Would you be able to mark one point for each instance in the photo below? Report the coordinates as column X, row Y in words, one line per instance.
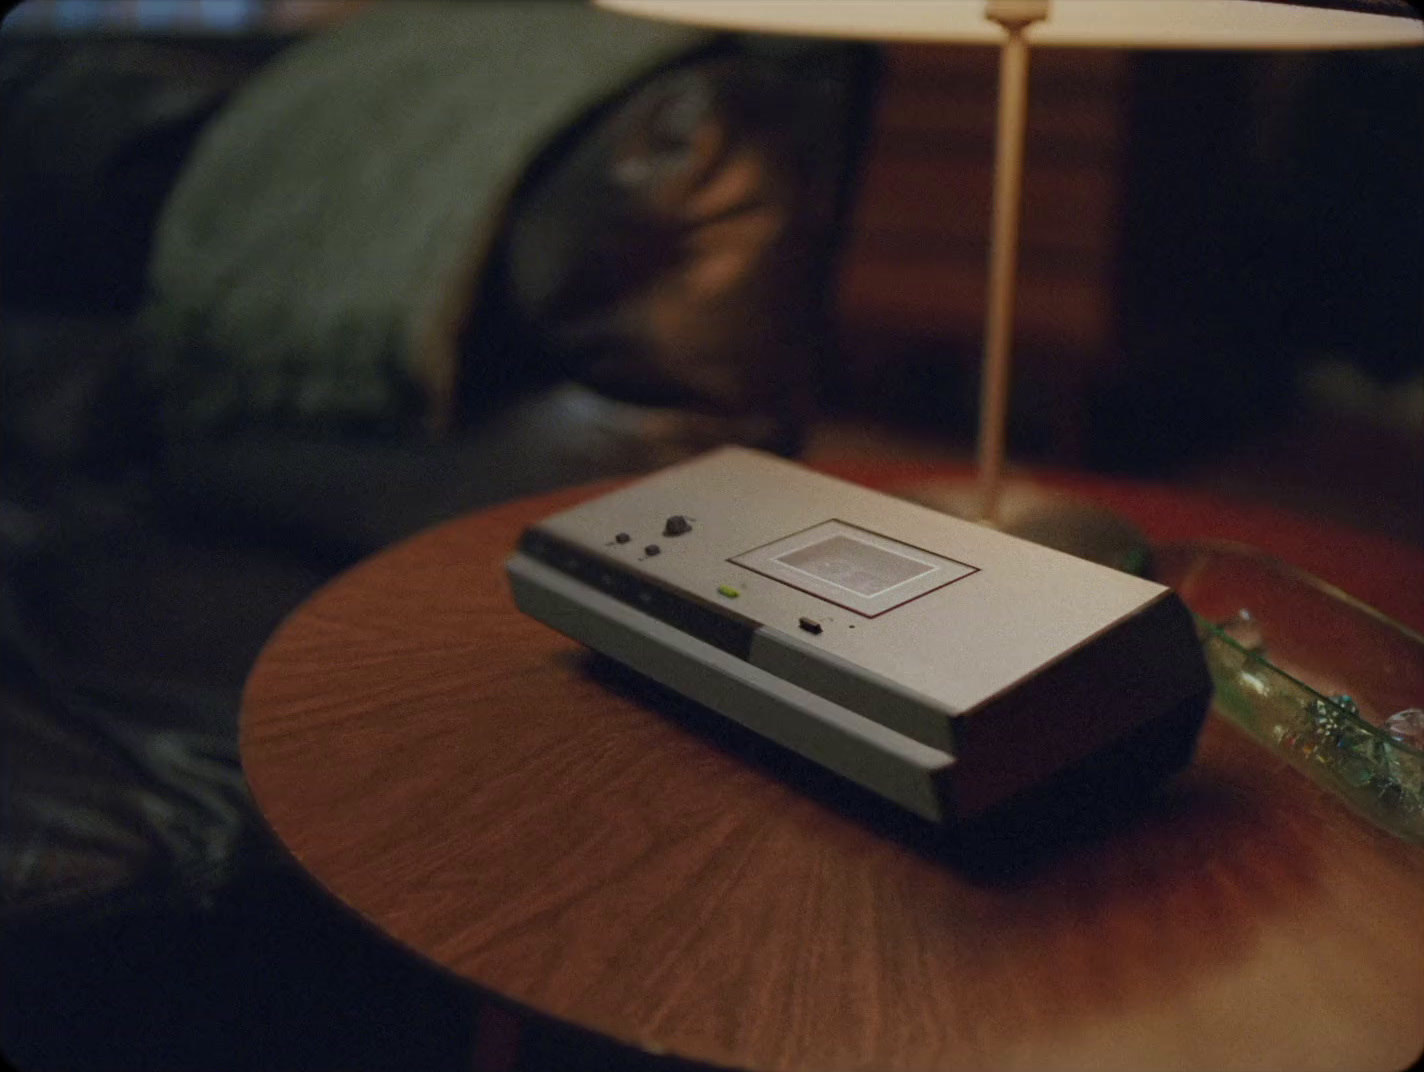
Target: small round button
column 652, row 549
column 676, row 525
column 622, row 537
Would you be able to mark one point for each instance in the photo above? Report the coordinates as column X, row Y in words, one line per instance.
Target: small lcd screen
column 855, row 566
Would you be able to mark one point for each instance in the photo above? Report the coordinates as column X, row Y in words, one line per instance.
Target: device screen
column 853, row 567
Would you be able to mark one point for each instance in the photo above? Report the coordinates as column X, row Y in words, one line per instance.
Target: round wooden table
column 500, row 802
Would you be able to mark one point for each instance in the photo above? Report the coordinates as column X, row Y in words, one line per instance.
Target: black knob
column 622, row 537
column 676, row 525
column 652, row 549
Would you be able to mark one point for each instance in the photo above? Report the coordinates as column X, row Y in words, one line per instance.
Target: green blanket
column 321, row 252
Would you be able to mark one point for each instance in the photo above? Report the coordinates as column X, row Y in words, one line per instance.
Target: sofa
column 179, row 469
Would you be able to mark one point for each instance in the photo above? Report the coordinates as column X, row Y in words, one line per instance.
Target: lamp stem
column 1003, row 260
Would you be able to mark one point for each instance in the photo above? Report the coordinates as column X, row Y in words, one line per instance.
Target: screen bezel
column 766, row 561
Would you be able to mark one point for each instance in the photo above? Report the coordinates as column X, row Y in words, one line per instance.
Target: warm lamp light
column 1014, row 25
column 1167, row 24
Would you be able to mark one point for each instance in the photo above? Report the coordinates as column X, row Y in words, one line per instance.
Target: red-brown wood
column 469, row 782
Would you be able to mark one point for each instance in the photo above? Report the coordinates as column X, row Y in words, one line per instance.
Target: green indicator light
column 728, row 591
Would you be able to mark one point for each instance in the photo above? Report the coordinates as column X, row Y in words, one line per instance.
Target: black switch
column 676, row 525
column 811, row 625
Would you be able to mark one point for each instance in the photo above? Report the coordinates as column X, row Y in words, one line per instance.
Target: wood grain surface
column 547, row 827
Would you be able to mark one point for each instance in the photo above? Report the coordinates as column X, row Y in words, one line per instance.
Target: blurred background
column 1222, row 267
column 1220, row 270
column 282, row 281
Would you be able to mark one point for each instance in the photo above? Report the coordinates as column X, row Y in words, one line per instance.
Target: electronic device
column 937, row 662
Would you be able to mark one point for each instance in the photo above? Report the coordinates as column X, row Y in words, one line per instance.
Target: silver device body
column 936, row 662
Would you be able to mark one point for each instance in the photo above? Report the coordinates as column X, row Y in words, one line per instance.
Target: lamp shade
column 1164, row 24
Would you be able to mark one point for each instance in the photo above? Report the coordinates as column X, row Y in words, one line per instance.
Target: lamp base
column 1053, row 519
